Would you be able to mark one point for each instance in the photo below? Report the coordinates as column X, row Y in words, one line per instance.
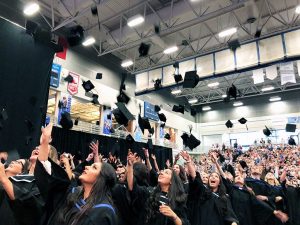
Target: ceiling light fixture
column 274, row 99
column 31, row 8
column 193, row 101
column 206, row 108
column 297, row 9
column 88, row 41
column 215, row 84
column 127, row 63
column 174, row 92
column 135, row 20
column 170, row 50
column 228, row 32
column 238, row 104
column 269, row 88
column 224, row 96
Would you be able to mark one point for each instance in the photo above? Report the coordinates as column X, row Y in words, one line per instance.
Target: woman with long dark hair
column 180, row 171
column 89, row 204
column 208, row 204
column 165, row 204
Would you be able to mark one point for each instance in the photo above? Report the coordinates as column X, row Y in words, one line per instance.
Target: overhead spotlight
column 87, row 86
column 157, row 83
column 94, row 10
column 193, row 101
column 99, row 76
column 234, row 44
column 257, row 34
column 127, row 63
column 184, row 43
column 176, row 91
column 224, row 96
column 228, row 32
column 88, row 41
column 178, row 78
column 31, row 8
column 215, row 84
column 76, row 36
column 135, row 20
column 171, row 50
column 268, row 88
column 144, row 49
column 232, row 91
column 95, row 99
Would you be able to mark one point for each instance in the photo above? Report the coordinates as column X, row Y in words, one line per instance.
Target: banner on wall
column 55, row 75
column 64, row 105
column 287, row 73
column 73, row 86
column 107, row 123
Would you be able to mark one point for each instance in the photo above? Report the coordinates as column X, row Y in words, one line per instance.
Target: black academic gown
column 28, row 206
column 292, row 198
column 57, row 191
column 206, row 207
column 247, row 208
column 142, row 194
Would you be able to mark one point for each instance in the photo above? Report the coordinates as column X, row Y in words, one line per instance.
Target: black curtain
column 77, row 143
column 24, row 84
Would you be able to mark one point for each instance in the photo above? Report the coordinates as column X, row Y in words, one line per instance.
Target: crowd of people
column 260, row 186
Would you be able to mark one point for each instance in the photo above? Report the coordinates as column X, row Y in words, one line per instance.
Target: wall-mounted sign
column 55, row 75
column 149, row 111
column 73, row 86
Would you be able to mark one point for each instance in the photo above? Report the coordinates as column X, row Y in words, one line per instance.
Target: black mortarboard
column 122, row 114
column 191, row 79
column 229, row 124
column 167, row 136
column 243, row 164
column 122, row 97
column 4, row 115
column 69, row 78
column 234, row 44
column 193, row 142
column 232, row 91
column 176, row 65
column 87, row 85
column 290, row 127
column 144, row 123
column 179, row 108
column 242, row 120
column 150, row 144
column 230, row 169
column 106, row 107
column 267, row 131
column 162, row 117
column 66, row 121
column 162, row 125
column 144, row 49
column 95, row 99
column 99, row 76
column 109, row 116
column 184, row 138
column 177, row 78
column 156, row 108
column 122, row 85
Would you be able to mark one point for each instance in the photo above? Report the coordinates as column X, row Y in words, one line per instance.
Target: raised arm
column 190, row 165
column 148, row 164
column 214, row 159
column 130, row 160
column 95, row 148
column 155, row 162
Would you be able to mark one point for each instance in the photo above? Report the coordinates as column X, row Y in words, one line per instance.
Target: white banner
column 258, row 76
column 287, row 73
column 298, row 66
column 271, row 72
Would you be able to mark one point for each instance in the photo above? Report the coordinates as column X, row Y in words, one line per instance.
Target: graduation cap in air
column 144, row 49
column 157, row 108
column 87, row 86
column 162, row 117
column 267, row 131
column 191, row 79
column 232, row 91
column 193, row 142
column 229, row 124
column 167, row 136
column 69, row 78
column 122, row 114
column 99, row 76
column 123, row 97
column 144, row 123
column 162, row 125
column 178, row 108
column 95, row 99
column 184, row 138
column 230, row 169
column 243, row 121
column 66, row 121
column 243, row 164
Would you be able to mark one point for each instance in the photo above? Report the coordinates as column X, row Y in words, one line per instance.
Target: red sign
column 73, row 86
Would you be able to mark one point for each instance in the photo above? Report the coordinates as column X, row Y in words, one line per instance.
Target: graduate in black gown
column 249, row 210
column 165, row 204
column 208, row 205
column 20, row 200
column 89, row 204
column 292, row 198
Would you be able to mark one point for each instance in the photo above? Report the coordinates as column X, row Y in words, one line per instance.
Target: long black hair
column 176, row 196
column 101, row 191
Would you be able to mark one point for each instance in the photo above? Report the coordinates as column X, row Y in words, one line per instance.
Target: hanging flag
column 258, row 76
column 64, row 43
column 271, row 72
column 287, row 73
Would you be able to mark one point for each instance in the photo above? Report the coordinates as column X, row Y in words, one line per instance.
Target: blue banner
column 55, row 75
column 64, row 105
column 107, row 124
column 149, row 111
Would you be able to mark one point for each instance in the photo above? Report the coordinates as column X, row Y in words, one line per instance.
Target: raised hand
column 281, row 215
column 185, row 156
column 90, row 157
column 131, row 158
column 46, row 134
column 153, row 156
column 167, row 211
column 95, row 147
column 146, row 152
column 168, row 164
